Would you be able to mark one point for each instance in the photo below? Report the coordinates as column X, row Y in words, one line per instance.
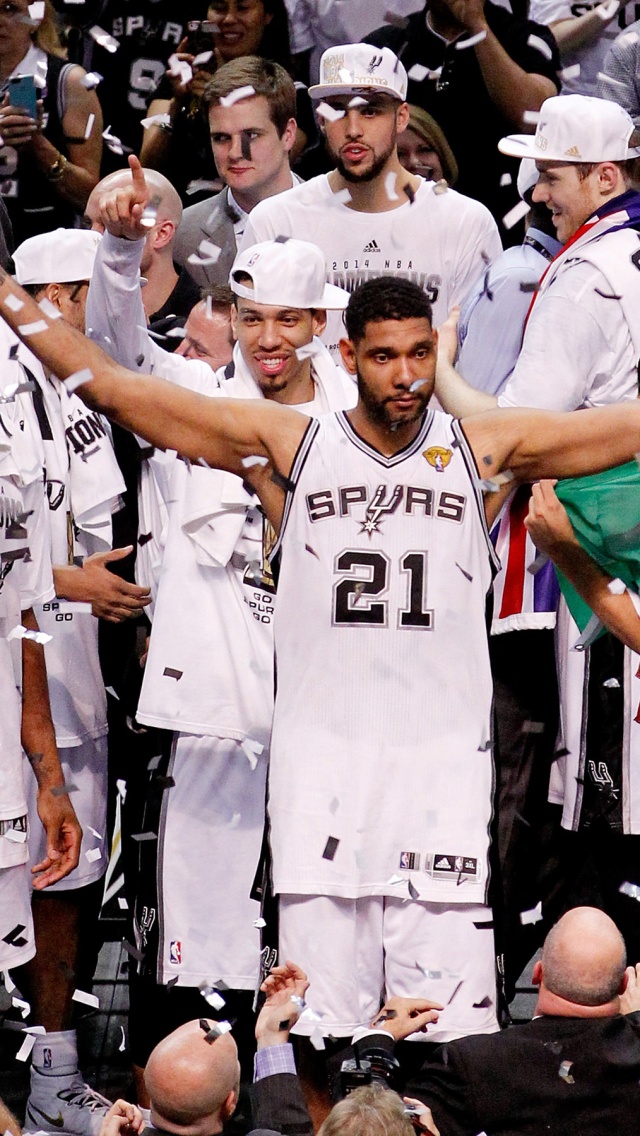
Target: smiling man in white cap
column 369, row 216
column 580, row 348
column 193, row 914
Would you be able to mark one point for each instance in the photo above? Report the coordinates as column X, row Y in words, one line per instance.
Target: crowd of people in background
column 319, row 605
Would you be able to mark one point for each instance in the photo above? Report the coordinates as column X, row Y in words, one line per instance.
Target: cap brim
column 334, row 298
column 521, row 146
column 320, row 91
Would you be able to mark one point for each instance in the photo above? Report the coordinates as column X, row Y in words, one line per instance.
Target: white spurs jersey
column 381, row 769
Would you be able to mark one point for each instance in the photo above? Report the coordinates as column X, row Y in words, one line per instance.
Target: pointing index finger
column 139, row 182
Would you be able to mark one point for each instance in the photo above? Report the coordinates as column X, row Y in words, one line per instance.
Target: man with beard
column 370, row 216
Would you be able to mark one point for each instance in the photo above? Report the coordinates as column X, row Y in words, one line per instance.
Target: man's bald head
column 192, row 1083
column 584, row 958
column 169, row 206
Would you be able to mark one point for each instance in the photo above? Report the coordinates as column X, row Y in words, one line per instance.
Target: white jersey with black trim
column 381, row 767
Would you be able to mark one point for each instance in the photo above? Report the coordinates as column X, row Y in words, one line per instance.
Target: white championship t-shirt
column 438, row 241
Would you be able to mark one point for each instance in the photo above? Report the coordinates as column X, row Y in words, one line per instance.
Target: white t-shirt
column 577, row 350
column 437, row 241
column 591, row 57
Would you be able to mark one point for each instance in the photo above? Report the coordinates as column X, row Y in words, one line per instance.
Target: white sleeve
column 548, row 11
column 300, row 27
column 562, row 344
column 116, row 319
column 480, row 235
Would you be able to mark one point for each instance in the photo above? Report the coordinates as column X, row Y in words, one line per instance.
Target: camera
column 378, row 1068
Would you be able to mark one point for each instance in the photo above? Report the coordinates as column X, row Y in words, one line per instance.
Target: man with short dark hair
column 369, row 215
column 251, row 141
column 384, row 689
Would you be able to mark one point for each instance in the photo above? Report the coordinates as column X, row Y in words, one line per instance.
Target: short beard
column 368, row 175
column 378, row 413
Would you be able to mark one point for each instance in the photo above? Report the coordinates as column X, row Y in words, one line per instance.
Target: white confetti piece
column 252, row 751
column 417, row 384
column 539, row 562
column 254, row 459
column 22, row 1006
column 103, row 38
column 534, row 915
column 203, row 57
column 156, row 119
column 531, row 117
column 342, row 197
column 33, row 328
column 441, row 186
column 617, row 587
column 568, row 73
column 26, row 1047
column 235, row 96
column 506, row 179
column 202, row 185
column 176, row 333
column 93, row 854
column 602, row 78
column 461, row 44
column 344, row 75
column 607, row 11
column 390, row 186
column 123, row 903
column 540, row 45
column 9, row 984
column 86, row 998
column 78, row 378
column 121, row 1047
column 121, row 786
column 49, row 309
column 565, row 1067
column 211, row 996
column 317, row 1040
column 357, row 101
column 308, row 350
column 627, row 888
column 15, row 836
column 611, row 683
column 20, row 632
column 92, row 78
column 393, row 880
column 259, row 923
column 36, row 10
column 89, row 127
column 332, row 114
column 13, row 303
column 418, row 73
column 180, row 70
column 113, row 142
column 514, row 215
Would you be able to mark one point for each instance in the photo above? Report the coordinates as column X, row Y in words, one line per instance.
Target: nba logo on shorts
column 175, row 952
column 46, row 1058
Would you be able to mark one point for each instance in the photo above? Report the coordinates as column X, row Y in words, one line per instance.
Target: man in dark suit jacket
column 574, row 1069
column 193, row 1075
column 251, row 142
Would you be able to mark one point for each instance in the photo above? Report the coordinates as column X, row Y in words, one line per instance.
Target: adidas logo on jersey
column 373, row 246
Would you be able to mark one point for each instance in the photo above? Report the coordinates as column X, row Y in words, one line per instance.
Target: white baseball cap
column 360, row 67
column 287, row 273
column 576, row 128
column 527, row 177
column 63, row 256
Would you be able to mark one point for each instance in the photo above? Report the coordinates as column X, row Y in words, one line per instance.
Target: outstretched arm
column 223, row 432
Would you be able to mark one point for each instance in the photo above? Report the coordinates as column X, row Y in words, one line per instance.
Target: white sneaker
column 64, row 1104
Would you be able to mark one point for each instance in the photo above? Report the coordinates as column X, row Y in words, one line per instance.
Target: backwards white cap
column 576, row 128
column 287, row 273
column 62, row 256
column 360, row 67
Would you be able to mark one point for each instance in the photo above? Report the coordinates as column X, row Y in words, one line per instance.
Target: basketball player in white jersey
column 370, row 216
column 194, row 918
column 381, row 767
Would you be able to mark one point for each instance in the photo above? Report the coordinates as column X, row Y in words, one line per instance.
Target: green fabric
column 604, row 510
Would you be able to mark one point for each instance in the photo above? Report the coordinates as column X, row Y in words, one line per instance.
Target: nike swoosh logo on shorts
column 56, row 1121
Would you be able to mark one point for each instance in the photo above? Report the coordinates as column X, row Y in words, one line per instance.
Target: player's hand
column 279, row 1013
column 448, row 338
column 17, row 128
column 548, row 522
column 403, row 1016
column 421, row 1116
column 120, row 210
column 111, row 597
column 122, row 1119
column 64, row 837
column 630, row 1000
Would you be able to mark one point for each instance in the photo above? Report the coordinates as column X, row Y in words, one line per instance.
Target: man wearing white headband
column 208, row 679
